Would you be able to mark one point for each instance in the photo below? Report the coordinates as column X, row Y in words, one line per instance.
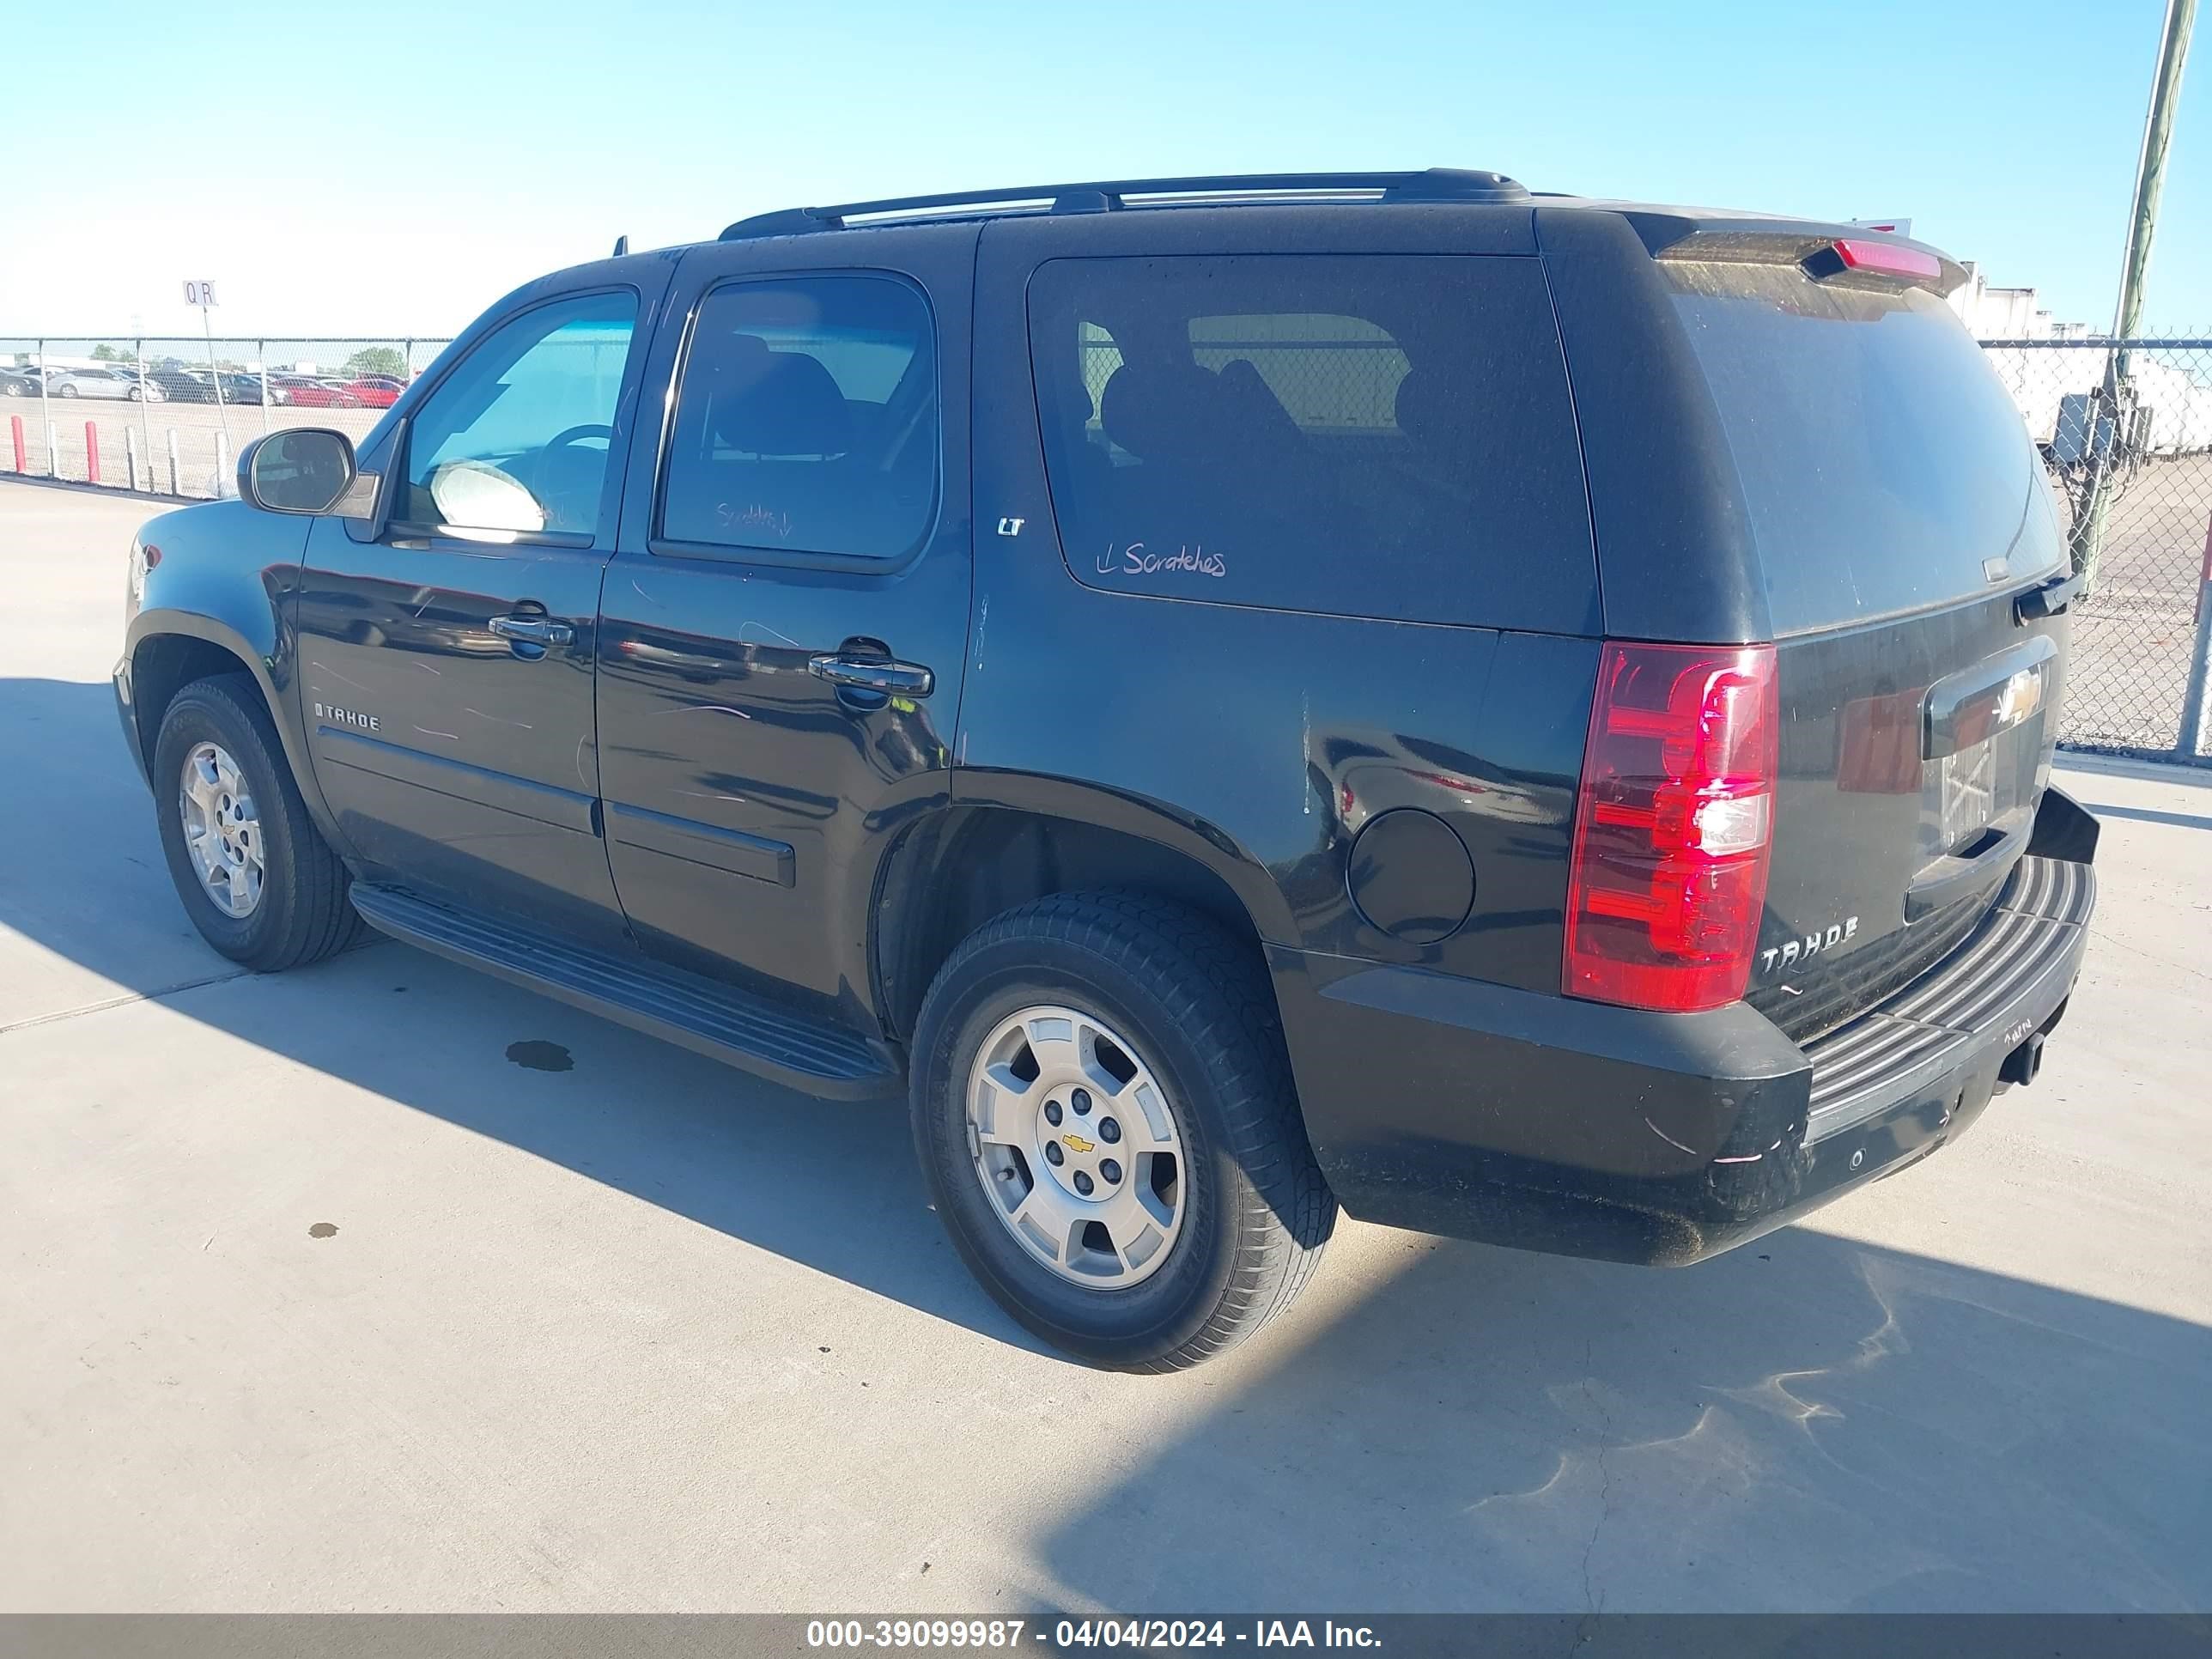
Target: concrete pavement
column 312, row 1297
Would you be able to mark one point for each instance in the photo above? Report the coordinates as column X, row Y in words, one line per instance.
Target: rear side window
column 807, row 419
column 1364, row 435
column 1884, row 467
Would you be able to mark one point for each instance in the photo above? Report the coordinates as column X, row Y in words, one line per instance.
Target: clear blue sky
column 377, row 167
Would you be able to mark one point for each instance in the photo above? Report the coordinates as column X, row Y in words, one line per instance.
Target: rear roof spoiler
column 1731, row 240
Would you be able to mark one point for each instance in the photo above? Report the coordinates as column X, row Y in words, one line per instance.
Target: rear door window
column 1362, row 434
column 1883, row 465
column 807, row 419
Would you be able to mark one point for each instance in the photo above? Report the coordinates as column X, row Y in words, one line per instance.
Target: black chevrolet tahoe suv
column 1525, row 717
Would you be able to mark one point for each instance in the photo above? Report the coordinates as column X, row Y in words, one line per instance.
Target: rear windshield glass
column 1884, row 466
column 1378, row 436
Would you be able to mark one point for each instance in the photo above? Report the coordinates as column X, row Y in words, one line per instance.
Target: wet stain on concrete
column 323, row 1229
column 538, row 1056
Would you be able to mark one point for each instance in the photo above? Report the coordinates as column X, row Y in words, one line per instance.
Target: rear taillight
column 1888, row 260
column 1672, row 826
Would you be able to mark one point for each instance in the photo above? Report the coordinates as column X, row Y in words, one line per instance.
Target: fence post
column 22, row 461
column 173, row 490
column 145, row 420
column 261, row 356
column 2188, row 741
column 130, row 453
column 222, row 465
column 53, row 452
column 92, row 452
column 47, row 407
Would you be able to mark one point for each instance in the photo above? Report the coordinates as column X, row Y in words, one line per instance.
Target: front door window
column 516, row 440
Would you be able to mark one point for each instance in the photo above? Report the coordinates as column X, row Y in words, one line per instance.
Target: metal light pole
column 2142, row 224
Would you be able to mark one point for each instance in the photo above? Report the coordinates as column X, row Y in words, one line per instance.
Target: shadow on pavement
column 1804, row 1423
column 1807, row 1422
column 2151, row 815
column 832, row 1187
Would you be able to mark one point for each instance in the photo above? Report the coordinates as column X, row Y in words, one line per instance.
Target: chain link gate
column 2124, row 428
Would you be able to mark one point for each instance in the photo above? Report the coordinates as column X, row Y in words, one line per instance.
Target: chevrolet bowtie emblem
column 1078, row 1144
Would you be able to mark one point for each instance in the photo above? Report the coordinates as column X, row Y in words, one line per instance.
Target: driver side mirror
column 305, row 469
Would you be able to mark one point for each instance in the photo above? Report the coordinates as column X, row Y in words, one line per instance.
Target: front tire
column 255, row 875
column 1186, row 1209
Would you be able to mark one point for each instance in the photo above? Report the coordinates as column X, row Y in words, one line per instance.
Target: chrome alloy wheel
column 222, row 830
column 1077, row 1146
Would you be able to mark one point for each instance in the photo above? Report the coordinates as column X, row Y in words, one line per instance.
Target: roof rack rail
column 1108, row 196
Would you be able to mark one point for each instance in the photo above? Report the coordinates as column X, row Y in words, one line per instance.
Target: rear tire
column 302, row 913
column 1248, row 1211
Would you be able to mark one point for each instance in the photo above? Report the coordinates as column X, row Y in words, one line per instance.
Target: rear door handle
column 881, row 675
column 540, row 631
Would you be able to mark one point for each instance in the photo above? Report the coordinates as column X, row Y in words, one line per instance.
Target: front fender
column 225, row 578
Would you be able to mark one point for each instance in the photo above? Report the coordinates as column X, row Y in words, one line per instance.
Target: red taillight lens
column 1887, row 259
column 1672, row 826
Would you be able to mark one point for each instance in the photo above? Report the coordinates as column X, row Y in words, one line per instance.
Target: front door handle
column 540, row 631
column 881, row 675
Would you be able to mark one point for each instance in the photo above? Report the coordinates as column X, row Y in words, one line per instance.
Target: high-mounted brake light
column 1672, row 826
column 1888, row 260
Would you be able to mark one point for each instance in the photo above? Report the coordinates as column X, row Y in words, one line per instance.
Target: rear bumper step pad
column 2035, row 924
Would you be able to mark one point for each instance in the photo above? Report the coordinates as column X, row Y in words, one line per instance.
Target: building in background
column 1991, row 312
column 2051, row 383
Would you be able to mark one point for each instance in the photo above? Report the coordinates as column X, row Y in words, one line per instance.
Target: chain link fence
column 170, row 416
column 2125, row 428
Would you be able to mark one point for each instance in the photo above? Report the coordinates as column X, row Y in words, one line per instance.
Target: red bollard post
column 15, row 423
column 92, row 452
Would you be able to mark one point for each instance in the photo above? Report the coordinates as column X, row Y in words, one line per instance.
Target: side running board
column 703, row 1015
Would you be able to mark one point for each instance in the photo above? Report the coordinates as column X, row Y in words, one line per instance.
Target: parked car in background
column 376, row 391
column 306, row 391
column 182, row 386
column 110, row 383
column 238, row 386
column 21, row 382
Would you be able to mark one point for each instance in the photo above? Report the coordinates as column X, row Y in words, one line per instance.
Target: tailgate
column 1898, row 515
column 1913, row 754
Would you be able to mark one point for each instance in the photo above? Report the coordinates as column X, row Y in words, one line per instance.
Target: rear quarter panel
column 1259, row 741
